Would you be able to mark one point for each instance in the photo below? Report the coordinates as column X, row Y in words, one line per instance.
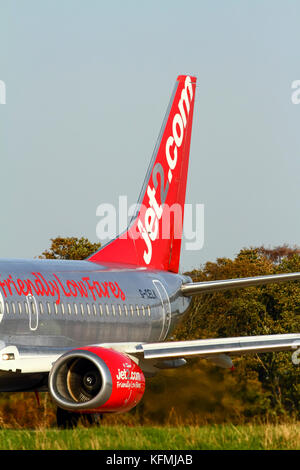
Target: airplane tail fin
column 153, row 237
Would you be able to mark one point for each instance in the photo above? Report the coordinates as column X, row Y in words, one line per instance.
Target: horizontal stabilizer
column 194, row 288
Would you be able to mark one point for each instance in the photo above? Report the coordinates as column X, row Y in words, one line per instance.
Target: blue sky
column 87, row 85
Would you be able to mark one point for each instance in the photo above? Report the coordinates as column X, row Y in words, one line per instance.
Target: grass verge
column 208, row 437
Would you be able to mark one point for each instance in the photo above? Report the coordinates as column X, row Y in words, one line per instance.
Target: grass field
column 208, row 437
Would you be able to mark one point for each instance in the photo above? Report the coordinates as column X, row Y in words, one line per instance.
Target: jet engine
column 95, row 379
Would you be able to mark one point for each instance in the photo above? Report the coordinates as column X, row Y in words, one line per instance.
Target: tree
column 70, row 248
column 279, row 253
column 266, row 309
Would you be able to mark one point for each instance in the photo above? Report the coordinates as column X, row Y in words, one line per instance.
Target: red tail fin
column 153, row 238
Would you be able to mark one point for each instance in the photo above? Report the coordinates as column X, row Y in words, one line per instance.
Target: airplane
column 90, row 332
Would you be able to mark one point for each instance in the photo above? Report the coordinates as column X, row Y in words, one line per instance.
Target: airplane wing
column 194, row 288
column 217, row 350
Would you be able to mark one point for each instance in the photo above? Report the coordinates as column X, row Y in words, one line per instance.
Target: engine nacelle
column 94, row 379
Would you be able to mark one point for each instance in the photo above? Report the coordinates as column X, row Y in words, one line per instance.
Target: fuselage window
column 126, row 310
column 13, row 307
column 120, row 309
column 26, row 307
column 81, row 309
column 19, row 307
column 75, row 309
column 107, row 309
column 88, row 309
column 149, row 311
column 49, row 308
column 69, row 309
column 32, row 305
column 113, row 310
column 55, row 308
column 137, row 310
column 7, row 307
column 131, row 310
column 100, row 309
column 41, row 308
column 94, row 309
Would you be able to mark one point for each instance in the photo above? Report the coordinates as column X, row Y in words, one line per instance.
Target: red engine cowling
column 94, row 379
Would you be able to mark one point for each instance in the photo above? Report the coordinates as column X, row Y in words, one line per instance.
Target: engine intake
column 96, row 379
